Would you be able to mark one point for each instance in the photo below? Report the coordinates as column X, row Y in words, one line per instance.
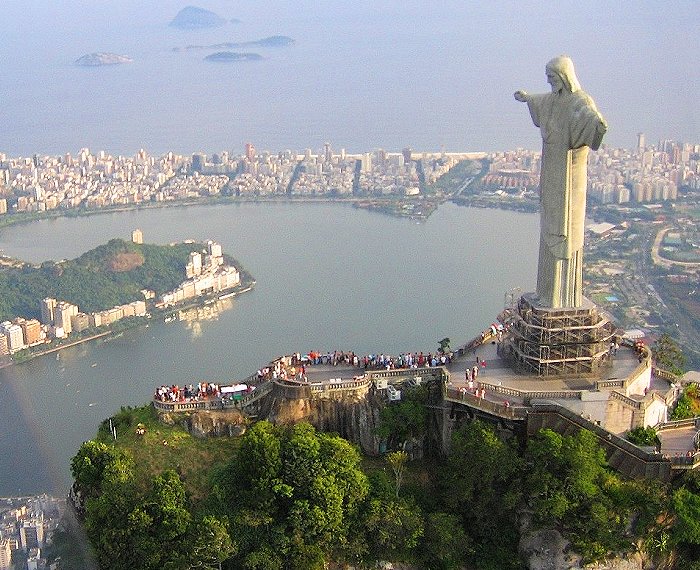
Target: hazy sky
column 363, row 74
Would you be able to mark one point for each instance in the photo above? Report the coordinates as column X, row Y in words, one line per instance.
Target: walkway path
column 677, row 442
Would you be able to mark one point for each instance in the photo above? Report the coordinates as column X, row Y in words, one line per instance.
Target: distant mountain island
column 270, row 41
column 102, row 58
column 194, row 18
column 226, row 56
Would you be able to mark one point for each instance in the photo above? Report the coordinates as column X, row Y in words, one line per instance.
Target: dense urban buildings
column 27, row 525
column 205, row 274
column 645, row 174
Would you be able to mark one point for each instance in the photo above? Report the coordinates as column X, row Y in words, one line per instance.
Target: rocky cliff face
column 354, row 418
column 209, row 423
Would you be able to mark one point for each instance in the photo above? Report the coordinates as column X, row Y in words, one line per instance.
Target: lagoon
column 329, row 277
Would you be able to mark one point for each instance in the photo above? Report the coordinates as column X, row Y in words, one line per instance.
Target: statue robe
column 570, row 124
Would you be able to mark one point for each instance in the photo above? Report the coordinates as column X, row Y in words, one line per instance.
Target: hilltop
column 194, row 18
column 109, row 275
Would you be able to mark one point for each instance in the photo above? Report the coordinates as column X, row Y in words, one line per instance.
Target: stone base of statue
column 545, row 341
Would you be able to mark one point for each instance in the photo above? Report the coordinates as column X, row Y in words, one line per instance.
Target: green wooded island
column 111, row 274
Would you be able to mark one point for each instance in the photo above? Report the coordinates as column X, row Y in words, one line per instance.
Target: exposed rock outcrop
column 209, row 423
column 547, row 549
column 354, row 418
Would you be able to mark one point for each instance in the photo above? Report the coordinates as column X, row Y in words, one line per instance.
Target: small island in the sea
column 270, row 41
column 194, row 18
column 98, row 59
column 227, row 56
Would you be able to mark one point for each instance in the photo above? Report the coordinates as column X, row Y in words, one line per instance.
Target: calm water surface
column 328, row 277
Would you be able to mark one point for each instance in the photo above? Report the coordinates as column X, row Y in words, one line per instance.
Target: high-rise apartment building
column 14, row 335
column 62, row 315
column 48, row 308
column 137, row 236
column 31, row 329
column 366, row 162
column 194, row 267
column 5, row 554
column 80, row 322
column 641, row 141
column 3, row 206
column 250, row 152
column 214, row 249
column 31, row 534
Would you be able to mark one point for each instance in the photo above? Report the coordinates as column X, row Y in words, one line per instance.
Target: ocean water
column 361, row 75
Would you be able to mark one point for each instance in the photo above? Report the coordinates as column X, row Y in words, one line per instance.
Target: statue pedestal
column 545, row 341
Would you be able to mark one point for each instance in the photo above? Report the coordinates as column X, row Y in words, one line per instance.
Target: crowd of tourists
column 189, row 393
column 374, row 361
column 294, row 367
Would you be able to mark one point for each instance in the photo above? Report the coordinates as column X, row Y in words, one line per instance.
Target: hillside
column 109, row 275
column 195, row 18
column 299, row 498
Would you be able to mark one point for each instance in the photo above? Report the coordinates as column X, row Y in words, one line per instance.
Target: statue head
column 563, row 68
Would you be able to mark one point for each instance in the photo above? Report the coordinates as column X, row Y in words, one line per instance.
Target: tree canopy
column 130, row 527
column 295, row 498
column 290, row 494
column 668, row 355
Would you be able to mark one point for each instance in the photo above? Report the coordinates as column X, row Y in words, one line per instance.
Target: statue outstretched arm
column 521, row 96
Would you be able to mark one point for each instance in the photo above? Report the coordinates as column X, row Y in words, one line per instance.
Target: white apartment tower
column 63, row 312
column 14, row 335
column 641, row 142
column 194, row 267
column 5, row 554
column 214, row 249
column 48, row 308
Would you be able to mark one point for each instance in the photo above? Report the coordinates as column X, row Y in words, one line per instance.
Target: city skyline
column 648, row 173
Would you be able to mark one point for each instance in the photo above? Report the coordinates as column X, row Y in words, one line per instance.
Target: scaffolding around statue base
column 559, row 342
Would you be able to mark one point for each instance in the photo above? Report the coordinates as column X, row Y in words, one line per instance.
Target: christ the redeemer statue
column 570, row 124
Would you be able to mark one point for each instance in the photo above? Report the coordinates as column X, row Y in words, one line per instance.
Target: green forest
column 111, row 274
column 296, row 498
